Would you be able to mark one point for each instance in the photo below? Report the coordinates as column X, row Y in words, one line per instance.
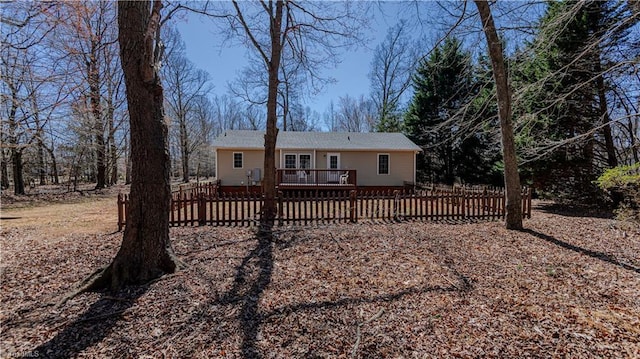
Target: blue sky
column 205, row 49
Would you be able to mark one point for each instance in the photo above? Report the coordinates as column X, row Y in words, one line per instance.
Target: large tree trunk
column 146, row 252
column 18, row 175
column 272, row 131
column 610, row 147
column 4, row 171
column 127, row 162
column 511, row 177
column 113, row 152
column 111, row 140
column 42, row 172
column 54, row 165
column 184, row 148
column 16, row 153
column 94, row 93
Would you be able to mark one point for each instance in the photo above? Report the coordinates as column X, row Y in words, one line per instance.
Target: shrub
column 622, row 184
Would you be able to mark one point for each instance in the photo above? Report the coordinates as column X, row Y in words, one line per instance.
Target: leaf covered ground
column 567, row 286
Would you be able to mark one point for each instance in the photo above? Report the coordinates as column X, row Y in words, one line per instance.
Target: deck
column 317, row 179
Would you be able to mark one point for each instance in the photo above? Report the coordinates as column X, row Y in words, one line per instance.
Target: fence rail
column 192, row 208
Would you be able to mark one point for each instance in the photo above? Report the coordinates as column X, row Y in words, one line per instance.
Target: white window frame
column 329, row 160
column 284, row 160
column 297, row 156
column 388, row 164
column 310, row 160
column 233, row 160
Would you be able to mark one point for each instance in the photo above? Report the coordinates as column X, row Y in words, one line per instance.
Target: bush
column 622, row 184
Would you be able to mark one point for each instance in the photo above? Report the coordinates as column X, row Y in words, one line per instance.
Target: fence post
column 352, row 206
column 280, row 208
column 463, row 204
column 396, row 202
column 202, row 209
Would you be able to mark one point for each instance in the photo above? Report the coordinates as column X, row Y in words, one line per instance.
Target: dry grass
column 565, row 287
column 97, row 216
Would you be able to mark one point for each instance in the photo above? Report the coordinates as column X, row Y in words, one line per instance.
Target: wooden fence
column 191, row 208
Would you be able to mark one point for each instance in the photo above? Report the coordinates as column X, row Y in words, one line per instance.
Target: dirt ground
column 567, row 287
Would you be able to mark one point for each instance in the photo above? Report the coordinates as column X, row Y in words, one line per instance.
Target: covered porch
column 306, row 178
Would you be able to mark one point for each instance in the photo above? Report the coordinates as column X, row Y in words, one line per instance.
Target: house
column 317, row 160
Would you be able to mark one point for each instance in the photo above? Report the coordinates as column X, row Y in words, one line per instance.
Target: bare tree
column 186, row 84
column 204, row 117
column 312, row 32
column 394, row 61
column 231, row 114
column 24, row 78
column 355, row 115
column 145, row 252
column 13, row 73
column 86, row 35
column 114, row 100
column 513, row 207
column 330, row 117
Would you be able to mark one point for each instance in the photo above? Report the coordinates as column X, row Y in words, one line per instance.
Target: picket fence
column 193, row 208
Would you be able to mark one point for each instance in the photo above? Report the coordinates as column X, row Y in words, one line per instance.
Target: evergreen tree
column 566, row 98
column 453, row 144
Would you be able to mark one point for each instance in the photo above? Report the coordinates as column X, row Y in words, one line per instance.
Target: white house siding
column 230, row 176
column 366, row 163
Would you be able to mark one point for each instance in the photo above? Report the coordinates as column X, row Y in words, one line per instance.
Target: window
column 237, row 160
column 289, row 161
column 333, row 161
column 297, row 160
column 383, row 164
column 305, row 161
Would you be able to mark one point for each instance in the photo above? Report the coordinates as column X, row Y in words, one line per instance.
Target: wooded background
column 572, row 66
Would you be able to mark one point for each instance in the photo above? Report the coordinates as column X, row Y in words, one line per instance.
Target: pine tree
column 453, row 149
column 567, row 97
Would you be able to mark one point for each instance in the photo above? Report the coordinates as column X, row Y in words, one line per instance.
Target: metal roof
column 344, row 141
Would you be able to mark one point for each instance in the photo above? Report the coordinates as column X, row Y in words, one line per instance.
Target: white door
column 333, row 163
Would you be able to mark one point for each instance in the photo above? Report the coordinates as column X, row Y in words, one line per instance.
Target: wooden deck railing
column 301, row 177
column 304, row 208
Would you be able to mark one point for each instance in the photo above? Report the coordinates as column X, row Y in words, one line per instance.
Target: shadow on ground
column 574, row 210
column 204, row 329
column 593, row 254
column 92, row 326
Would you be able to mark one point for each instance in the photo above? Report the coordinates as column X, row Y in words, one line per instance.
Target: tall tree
column 87, row 37
column 23, row 76
column 268, row 27
column 571, row 73
column 271, row 55
column 513, row 206
column 185, row 83
column 394, row 61
column 436, row 118
column 145, row 252
column 355, row 114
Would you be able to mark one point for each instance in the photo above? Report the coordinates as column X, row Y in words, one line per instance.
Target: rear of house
column 317, row 159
